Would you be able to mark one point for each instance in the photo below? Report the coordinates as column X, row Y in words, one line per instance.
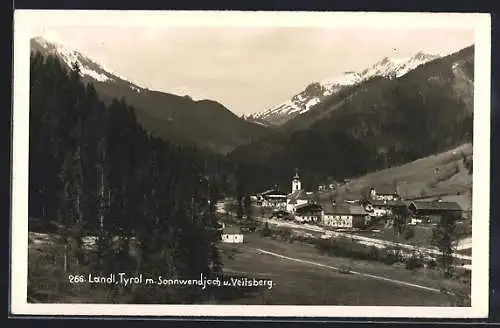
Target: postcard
column 250, row 164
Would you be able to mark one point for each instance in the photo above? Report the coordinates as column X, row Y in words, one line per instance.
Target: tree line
column 96, row 172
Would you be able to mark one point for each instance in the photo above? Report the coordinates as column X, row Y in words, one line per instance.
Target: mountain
column 204, row 123
column 316, row 92
column 372, row 125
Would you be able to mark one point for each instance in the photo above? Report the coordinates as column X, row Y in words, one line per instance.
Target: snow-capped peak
column 87, row 66
column 391, row 67
column 388, row 67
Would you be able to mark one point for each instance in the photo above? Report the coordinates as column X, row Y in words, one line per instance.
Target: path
column 367, row 275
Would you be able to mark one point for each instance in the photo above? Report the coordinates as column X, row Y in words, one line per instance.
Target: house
column 434, row 210
column 308, row 213
column 297, row 198
column 231, row 235
column 272, row 198
column 384, row 192
column 220, row 206
column 343, row 215
column 381, row 208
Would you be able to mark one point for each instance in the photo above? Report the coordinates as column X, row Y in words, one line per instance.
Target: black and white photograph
column 251, row 164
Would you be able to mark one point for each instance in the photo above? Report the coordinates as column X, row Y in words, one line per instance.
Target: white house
column 220, row 206
column 296, row 199
column 344, row 216
column 232, row 235
column 384, row 193
column 308, row 213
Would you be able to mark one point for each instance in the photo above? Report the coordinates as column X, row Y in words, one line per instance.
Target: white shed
column 232, row 235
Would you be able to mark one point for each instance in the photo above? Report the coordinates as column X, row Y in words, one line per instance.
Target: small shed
column 232, row 235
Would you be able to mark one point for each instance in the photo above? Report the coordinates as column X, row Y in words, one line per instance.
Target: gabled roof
column 392, row 203
column 308, row 207
column 436, row 206
column 231, row 230
column 269, row 192
column 299, row 194
column 343, row 208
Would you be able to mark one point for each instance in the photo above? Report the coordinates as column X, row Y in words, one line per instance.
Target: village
column 344, row 235
column 382, row 204
column 376, row 219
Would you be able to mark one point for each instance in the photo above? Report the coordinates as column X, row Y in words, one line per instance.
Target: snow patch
column 387, row 67
column 70, row 57
column 135, row 89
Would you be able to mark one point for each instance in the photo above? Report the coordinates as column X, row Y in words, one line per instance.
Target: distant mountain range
column 391, row 113
column 371, row 125
column 206, row 124
column 315, row 92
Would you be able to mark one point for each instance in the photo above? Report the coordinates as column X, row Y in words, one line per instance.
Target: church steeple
column 296, row 185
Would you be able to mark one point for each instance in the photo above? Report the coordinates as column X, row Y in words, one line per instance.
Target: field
column 442, row 175
column 303, row 276
column 422, row 235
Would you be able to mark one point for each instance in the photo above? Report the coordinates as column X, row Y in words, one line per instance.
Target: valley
column 123, row 178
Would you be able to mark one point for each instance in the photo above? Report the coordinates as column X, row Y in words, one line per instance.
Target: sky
column 247, row 69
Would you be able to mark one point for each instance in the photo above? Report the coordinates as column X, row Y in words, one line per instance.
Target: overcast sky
column 246, row 69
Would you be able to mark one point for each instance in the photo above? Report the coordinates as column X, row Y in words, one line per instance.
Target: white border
column 24, row 20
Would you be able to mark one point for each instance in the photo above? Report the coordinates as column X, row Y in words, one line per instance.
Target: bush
column 265, row 231
column 284, row 233
column 431, row 264
column 374, row 254
column 409, row 234
column 391, row 257
column 414, row 262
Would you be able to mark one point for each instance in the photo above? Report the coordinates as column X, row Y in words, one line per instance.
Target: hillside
column 205, row 123
column 317, row 92
column 443, row 174
column 377, row 124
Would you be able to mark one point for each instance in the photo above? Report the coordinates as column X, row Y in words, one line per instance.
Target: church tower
column 296, row 181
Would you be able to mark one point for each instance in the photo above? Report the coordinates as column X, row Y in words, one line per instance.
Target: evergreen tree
column 443, row 236
column 150, row 204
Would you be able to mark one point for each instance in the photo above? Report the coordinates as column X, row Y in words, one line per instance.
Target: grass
column 422, row 235
column 49, row 283
column 295, row 283
column 303, row 284
column 420, row 179
column 467, row 251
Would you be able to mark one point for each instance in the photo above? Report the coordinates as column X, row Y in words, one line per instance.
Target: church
column 298, row 196
column 289, row 202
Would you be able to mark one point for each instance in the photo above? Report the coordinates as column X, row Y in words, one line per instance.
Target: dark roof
column 384, row 189
column 231, row 230
column 298, row 194
column 343, row 208
column 308, row 208
column 436, row 206
column 393, row 203
column 270, row 191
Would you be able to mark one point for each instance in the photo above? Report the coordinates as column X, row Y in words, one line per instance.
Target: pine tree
column 443, row 236
column 94, row 168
